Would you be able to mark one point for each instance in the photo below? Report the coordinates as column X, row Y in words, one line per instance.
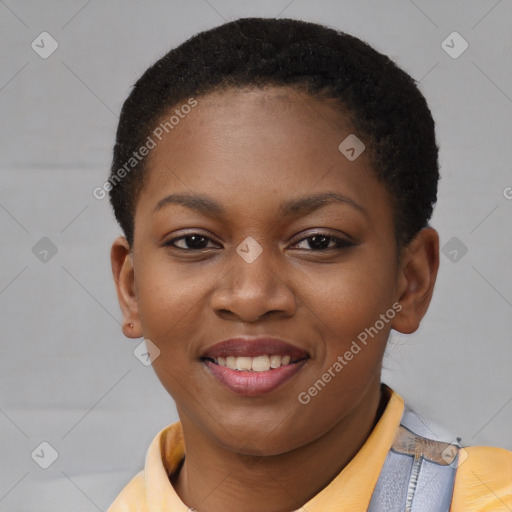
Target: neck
column 214, row 479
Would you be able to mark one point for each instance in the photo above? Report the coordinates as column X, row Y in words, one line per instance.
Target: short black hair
column 385, row 107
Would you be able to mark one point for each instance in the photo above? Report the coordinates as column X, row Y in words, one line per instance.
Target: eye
column 315, row 242
column 190, row 242
column 323, row 241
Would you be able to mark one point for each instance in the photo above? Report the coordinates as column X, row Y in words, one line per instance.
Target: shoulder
column 133, row 497
column 483, row 480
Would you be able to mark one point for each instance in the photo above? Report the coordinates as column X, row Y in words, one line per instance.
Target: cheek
column 168, row 296
column 170, row 305
column 170, row 308
column 347, row 298
column 347, row 306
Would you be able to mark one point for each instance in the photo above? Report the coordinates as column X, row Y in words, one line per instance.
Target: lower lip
column 253, row 383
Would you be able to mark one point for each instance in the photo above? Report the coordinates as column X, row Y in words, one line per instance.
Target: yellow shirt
column 483, row 482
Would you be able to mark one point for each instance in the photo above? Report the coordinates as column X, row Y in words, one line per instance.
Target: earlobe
column 416, row 279
column 124, row 279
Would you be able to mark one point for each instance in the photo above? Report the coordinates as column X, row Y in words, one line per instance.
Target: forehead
column 258, row 144
column 264, row 109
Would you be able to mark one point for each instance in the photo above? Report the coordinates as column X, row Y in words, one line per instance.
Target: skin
column 251, row 150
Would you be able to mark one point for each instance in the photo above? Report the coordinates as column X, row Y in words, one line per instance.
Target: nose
column 251, row 291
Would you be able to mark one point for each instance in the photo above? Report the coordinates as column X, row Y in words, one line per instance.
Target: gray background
column 68, row 376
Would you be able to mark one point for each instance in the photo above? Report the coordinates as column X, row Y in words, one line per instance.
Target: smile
column 253, row 366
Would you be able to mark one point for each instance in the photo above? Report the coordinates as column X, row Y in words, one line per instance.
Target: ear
column 124, row 278
column 417, row 272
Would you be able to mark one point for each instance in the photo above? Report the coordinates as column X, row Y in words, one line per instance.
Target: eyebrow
column 298, row 207
column 197, row 202
column 307, row 204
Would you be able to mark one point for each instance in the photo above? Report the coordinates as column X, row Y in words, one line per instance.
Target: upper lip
column 253, row 346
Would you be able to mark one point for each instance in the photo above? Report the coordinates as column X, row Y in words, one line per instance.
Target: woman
column 274, row 180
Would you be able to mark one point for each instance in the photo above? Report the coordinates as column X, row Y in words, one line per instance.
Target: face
column 253, row 224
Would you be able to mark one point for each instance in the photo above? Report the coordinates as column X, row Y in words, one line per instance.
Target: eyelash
column 340, row 243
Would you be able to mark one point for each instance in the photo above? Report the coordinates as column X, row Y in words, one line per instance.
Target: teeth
column 261, row 363
column 243, row 363
column 256, row 364
column 275, row 361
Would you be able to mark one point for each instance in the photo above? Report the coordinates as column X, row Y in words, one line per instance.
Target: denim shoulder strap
column 419, row 471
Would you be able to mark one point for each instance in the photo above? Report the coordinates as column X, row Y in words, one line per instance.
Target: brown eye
column 193, row 241
column 323, row 241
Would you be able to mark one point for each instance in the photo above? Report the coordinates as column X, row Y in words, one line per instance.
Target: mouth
column 254, row 366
